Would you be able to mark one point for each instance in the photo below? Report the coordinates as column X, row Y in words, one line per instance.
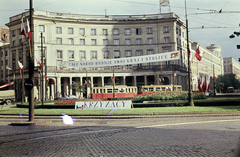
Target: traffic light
column 238, row 46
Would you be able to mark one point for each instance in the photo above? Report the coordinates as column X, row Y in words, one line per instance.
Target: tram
column 155, row 88
column 121, row 91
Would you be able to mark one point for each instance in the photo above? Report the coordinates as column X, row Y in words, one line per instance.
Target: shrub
column 167, row 95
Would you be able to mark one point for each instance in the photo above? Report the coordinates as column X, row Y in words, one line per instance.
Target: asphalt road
column 176, row 136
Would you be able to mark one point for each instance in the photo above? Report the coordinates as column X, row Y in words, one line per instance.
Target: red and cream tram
column 121, row 91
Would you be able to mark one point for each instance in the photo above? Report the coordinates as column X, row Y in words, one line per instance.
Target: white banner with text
column 120, row 61
column 86, row 105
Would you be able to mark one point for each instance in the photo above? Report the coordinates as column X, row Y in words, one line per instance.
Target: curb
column 16, row 117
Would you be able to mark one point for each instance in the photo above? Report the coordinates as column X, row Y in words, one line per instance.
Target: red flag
column 20, row 66
column 189, row 52
column 29, row 31
column 204, row 86
column 112, row 78
column 23, row 30
column 197, row 54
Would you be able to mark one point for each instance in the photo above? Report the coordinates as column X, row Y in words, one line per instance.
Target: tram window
column 135, row 90
column 151, row 89
column 178, row 88
column 93, row 90
column 116, row 90
column 163, row 89
column 157, row 88
column 129, row 90
column 145, row 89
column 97, row 90
column 100, row 90
column 109, row 90
column 121, row 90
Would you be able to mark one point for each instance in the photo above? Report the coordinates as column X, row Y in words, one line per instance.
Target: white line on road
column 187, row 123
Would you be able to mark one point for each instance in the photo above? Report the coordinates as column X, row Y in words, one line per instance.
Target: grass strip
column 133, row 111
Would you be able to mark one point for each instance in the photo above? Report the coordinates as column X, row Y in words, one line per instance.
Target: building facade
column 231, row 66
column 75, row 37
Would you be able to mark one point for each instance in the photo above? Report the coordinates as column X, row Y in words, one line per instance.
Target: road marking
column 187, row 123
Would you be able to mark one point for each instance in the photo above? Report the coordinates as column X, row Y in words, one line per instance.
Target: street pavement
column 209, row 136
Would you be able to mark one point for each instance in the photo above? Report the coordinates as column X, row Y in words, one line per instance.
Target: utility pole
column 46, row 79
column 113, row 84
column 214, row 85
column 31, row 65
column 41, row 76
column 22, row 75
column 190, row 98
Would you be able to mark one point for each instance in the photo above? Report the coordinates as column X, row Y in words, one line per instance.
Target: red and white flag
column 38, row 62
column 198, row 54
column 174, row 75
column 204, row 85
column 8, row 84
column 20, row 66
column 29, row 31
column 23, row 30
column 89, row 81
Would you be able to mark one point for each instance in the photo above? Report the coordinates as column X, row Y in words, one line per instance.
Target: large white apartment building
column 76, row 37
column 231, row 66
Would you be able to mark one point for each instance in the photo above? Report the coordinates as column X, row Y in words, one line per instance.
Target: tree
column 77, row 87
column 227, row 80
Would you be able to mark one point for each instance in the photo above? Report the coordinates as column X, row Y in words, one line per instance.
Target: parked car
column 230, row 90
column 69, row 97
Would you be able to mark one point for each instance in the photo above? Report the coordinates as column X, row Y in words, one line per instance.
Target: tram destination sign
column 85, row 105
column 120, row 61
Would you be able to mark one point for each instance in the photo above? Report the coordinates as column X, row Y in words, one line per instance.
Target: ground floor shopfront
column 59, row 84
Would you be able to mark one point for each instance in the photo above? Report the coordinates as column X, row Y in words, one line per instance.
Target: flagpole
column 190, row 98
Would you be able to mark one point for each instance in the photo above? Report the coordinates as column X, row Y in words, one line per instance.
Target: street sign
column 28, row 84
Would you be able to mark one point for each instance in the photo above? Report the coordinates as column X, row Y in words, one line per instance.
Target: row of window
column 128, row 53
column 115, row 31
column 6, row 53
column 105, row 41
column 6, row 62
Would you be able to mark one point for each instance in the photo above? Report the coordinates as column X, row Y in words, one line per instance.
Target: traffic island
column 28, row 123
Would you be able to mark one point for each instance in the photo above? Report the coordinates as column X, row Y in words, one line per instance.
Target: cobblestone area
column 203, row 140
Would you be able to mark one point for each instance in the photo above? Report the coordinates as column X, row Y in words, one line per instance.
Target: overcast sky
column 217, row 26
